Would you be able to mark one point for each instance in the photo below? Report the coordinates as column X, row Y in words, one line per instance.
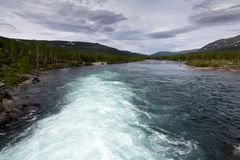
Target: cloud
column 208, row 18
column 127, row 25
column 205, row 5
column 4, row 27
column 7, row 28
column 103, row 40
column 171, row 33
column 217, row 17
column 104, row 17
column 128, row 35
column 107, row 29
column 68, row 16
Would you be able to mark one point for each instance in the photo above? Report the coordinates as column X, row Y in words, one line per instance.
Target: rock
column 4, row 118
column 31, row 107
column 29, row 81
column 4, row 94
column 2, row 84
column 8, row 104
column 10, row 110
column 35, row 80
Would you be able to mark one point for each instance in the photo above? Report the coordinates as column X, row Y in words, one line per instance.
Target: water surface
column 153, row 110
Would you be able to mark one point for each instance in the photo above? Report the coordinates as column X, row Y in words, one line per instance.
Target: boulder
column 4, row 118
column 12, row 111
column 2, row 85
column 9, row 105
column 35, row 80
column 32, row 80
column 4, row 94
column 31, row 107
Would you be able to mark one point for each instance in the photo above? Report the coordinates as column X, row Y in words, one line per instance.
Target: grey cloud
column 5, row 27
column 205, row 5
column 69, row 17
column 106, row 17
column 103, row 40
column 68, row 27
column 129, row 35
column 171, row 33
column 100, row 17
column 107, row 29
column 230, row 15
column 216, row 17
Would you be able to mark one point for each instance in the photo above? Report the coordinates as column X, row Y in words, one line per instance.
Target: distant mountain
column 164, row 53
column 188, row 51
column 223, row 44
column 167, row 53
column 85, row 47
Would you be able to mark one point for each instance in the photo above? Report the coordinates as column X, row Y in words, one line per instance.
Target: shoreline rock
column 15, row 104
column 2, row 85
column 30, row 80
column 11, row 111
column 221, row 69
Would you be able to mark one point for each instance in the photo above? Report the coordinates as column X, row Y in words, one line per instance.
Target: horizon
column 135, row 26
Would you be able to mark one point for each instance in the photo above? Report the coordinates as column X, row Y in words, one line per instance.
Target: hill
column 85, row 47
column 164, row 53
column 20, row 57
column 223, row 44
column 224, row 53
column 167, row 53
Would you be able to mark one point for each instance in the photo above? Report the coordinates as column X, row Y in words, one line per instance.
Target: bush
column 11, row 77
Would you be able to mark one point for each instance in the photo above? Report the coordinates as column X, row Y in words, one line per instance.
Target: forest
column 222, row 58
column 18, row 58
column 21, row 57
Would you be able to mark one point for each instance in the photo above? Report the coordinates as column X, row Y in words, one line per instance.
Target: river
column 152, row 110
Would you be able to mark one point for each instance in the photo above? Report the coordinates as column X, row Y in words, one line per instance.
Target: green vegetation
column 225, row 58
column 18, row 57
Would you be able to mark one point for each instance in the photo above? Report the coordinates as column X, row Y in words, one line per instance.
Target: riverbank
column 11, row 110
column 221, row 68
column 15, row 104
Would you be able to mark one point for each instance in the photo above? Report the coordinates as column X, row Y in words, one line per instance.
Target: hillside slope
column 86, row 47
column 167, row 53
column 19, row 57
column 223, row 44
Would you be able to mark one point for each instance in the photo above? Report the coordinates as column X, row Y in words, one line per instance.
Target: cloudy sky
column 144, row 26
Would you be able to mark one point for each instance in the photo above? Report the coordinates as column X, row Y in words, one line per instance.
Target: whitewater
column 98, row 122
column 153, row 110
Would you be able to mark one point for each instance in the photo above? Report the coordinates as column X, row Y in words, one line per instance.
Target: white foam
column 95, row 124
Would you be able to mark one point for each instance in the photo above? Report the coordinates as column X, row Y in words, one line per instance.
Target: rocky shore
column 222, row 69
column 10, row 109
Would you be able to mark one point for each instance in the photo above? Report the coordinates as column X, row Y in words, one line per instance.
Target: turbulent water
column 138, row 111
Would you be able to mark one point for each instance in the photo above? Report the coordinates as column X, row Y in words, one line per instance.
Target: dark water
column 146, row 110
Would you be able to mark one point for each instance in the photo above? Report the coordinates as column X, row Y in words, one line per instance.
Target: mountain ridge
column 169, row 53
column 83, row 47
column 222, row 44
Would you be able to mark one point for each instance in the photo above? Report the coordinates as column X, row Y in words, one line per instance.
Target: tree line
column 20, row 57
column 207, row 59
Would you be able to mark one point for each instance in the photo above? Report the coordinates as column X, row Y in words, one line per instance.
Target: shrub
column 11, row 77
